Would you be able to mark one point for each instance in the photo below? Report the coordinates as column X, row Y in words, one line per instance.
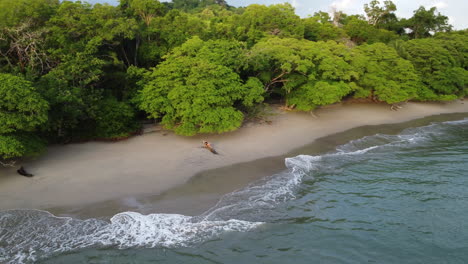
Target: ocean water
column 382, row 198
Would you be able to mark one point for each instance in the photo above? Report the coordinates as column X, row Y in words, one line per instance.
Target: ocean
column 399, row 197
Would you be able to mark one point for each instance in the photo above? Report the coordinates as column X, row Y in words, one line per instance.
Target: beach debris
column 208, row 146
column 313, row 114
column 8, row 164
column 23, row 172
column 395, row 107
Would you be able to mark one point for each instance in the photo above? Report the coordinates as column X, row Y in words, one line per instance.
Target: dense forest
column 72, row 71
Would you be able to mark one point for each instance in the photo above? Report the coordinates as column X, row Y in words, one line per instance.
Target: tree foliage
column 302, row 70
column 22, row 110
column 441, row 73
column 385, row 75
column 259, row 21
column 21, row 107
column 424, row 22
column 376, row 13
column 196, row 90
column 71, row 70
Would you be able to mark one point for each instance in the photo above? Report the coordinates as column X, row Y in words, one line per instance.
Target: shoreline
column 151, row 164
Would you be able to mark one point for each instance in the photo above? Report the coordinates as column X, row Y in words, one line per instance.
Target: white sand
column 150, row 164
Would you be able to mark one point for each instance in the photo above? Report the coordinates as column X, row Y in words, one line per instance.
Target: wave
column 29, row 235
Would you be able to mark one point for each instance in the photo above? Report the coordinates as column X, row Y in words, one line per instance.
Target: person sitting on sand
column 207, row 145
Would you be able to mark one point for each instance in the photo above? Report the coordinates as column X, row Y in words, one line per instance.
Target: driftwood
column 395, row 107
column 23, row 172
column 208, row 146
column 8, row 164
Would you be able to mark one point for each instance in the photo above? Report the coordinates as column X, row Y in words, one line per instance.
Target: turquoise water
column 378, row 199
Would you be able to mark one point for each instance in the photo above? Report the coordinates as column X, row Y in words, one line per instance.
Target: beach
column 153, row 163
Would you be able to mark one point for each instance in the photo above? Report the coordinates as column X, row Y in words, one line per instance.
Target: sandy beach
column 78, row 174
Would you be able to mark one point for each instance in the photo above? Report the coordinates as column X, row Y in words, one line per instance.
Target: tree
column 196, row 5
column 195, row 89
column 22, row 110
column 375, row 13
column 145, row 9
column 15, row 12
column 320, row 27
column 385, row 76
column 114, row 119
column 167, row 32
column 361, row 31
column 259, row 21
column 426, row 22
column 22, row 49
column 308, row 74
column 455, row 42
column 442, row 74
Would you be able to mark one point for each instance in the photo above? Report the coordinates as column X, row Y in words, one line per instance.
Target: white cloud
column 342, row 4
column 452, row 20
column 295, row 3
column 440, row 5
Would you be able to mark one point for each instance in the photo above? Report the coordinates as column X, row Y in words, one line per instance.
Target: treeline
column 73, row 71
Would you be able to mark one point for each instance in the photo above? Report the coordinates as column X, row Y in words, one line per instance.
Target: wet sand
column 156, row 165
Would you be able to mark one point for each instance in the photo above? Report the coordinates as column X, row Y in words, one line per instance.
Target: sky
column 454, row 9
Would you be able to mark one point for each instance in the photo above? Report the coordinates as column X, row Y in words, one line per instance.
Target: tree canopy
column 22, row 110
column 72, row 70
column 195, row 90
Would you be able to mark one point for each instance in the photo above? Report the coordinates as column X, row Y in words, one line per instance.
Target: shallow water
column 382, row 198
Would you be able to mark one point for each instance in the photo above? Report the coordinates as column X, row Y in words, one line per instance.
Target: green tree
column 259, row 21
column 455, row 42
column 308, row 74
column 376, row 13
column 147, row 10
column 114, row 119
column 320, row 27
column 22, row 110
column 196, row 5
column 168, row 32
column 361, row 31
column 15, row 12
column 196, row 91
column 441, row 73
column 73, row 92
column 88, row 43
column 23, row 49
column 385, row 75
column 424, row 22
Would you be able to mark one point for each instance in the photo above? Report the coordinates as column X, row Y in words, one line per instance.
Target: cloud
column 452, row 20
column 342, row 4
column 440, row 5
column 295, row 3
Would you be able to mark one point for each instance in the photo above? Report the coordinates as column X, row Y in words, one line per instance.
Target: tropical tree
column 385, row 75
column 308, row 74
column 259, row 21
column 424, row 23
column 22, row 110
column 321, row 27
column 196, row 90
column 360, row 31
column 442, row 74
column 376, row 13
column 15, row 12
